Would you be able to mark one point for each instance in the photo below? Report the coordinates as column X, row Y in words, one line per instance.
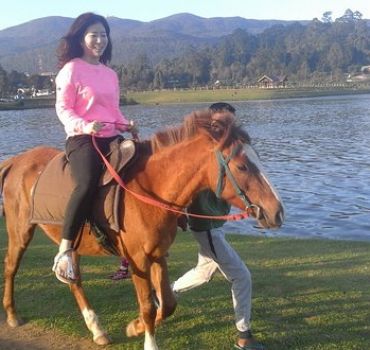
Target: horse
column 175, row 164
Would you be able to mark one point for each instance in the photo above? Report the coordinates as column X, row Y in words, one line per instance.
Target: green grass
column 197, row 96
column 202, row 95
column 29, row 103
column 307, row 295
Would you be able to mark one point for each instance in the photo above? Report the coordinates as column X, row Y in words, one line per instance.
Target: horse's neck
column 176, row 173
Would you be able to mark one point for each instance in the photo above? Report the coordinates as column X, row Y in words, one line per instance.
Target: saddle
column 53, row 188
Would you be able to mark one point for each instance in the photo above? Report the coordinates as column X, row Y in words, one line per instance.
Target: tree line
column 11, row 83
column 324, row 50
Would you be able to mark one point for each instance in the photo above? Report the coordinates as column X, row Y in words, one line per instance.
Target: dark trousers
column 86, row 168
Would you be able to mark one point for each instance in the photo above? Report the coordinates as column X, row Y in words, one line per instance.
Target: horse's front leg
column 163, row 292
column 146, row 321
column 100, row 336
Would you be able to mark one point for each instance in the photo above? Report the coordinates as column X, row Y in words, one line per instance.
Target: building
column 361, row 77
column 272, row 81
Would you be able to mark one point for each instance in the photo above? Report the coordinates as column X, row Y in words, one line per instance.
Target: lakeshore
column 233, row 94
column 44, row 102
column 29, row 103
column 309, row 146
column 158, row 97
column 304, row 293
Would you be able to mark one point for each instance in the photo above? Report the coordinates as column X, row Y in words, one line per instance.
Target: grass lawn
column 198, row 96
column 307, row 295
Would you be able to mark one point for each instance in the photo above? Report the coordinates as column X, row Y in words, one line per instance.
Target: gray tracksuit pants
column 215, row 253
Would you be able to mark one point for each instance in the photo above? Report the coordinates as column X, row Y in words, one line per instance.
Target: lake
column 316, row 151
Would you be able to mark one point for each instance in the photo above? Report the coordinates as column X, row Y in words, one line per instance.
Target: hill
column 30, row 47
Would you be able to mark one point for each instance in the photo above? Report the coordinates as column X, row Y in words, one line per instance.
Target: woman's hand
column 93, row 127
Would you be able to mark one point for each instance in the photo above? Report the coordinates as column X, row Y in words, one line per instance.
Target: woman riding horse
column 87, row 103
column 174, row 166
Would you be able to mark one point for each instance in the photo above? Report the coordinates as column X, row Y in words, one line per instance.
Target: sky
column 14, row 12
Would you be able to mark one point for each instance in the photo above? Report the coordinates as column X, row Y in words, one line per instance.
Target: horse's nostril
column 279, row 218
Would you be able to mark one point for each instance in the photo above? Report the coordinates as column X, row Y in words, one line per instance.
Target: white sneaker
column 64, row 267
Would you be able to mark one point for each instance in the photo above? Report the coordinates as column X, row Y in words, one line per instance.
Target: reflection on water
column 317, row 153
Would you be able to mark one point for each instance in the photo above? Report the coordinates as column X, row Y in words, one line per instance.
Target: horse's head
column 241, row 179
column 234, row 171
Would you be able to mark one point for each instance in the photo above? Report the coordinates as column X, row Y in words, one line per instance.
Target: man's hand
column 133, row 129
column 182, row 222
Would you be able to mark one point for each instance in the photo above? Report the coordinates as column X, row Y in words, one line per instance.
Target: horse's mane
column 225, row 130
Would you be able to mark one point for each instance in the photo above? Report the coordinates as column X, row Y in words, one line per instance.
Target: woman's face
column 94, row 43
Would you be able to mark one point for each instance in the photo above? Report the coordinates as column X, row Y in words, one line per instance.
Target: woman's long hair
column 70, row 45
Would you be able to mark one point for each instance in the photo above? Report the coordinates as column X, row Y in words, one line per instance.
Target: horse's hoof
column 102, row 340
column 14, row 322
column 131, row 330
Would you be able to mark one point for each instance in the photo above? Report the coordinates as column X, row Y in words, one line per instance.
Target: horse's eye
column 242, row 167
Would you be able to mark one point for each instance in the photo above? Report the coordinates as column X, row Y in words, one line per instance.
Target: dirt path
column 31, row 337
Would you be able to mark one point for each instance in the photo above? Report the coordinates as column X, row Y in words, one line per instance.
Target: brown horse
column 176, row 165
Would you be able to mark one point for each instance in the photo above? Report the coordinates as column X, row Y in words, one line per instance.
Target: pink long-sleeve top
column 86, row 93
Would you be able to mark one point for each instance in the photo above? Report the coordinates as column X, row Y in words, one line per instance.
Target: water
column 316, row 151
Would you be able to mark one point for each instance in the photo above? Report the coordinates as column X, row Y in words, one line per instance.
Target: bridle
column 225, row 172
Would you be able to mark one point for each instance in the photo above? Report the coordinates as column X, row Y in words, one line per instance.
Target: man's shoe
column 120, row 274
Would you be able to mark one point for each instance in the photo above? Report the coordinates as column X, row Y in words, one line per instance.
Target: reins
column 156, row 203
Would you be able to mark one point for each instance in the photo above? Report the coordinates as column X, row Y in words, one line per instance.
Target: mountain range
column 30, row 47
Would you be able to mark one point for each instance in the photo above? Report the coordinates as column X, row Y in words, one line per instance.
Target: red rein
column 155, row 203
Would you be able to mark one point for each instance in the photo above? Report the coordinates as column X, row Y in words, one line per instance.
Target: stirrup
column 64, row 268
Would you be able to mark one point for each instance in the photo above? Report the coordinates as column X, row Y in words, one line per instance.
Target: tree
column 336, row 57
column 4, row 83
column 139, row 74
column 17, row 80
column 40, row 82
column 158, row 82
column 326, row 17
column 357, row 16
column 196, row 65
column 347, row 17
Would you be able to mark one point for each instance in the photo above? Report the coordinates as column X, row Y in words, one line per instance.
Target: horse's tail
column 4, row 169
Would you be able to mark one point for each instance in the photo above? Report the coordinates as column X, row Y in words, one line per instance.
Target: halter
column 225, row 172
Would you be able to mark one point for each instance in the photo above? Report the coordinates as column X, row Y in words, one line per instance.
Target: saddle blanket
column 51, row 193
